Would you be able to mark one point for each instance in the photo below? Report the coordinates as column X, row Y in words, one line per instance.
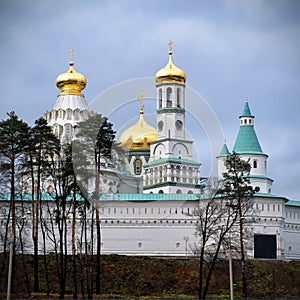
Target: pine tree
column 14, row 135
column 43, row 145
column 96, row 138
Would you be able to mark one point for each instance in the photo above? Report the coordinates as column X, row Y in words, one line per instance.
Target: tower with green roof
column 221, row 159
column 248, row 147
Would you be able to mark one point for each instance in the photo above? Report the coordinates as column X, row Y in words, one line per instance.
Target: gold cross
column 71, row 54
column 140, row 97
column 170, row 47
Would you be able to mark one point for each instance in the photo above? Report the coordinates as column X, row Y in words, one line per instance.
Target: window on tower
column 159, row 98
column 77, row 114
column 255, row 164
column 68, row 130
column 169, row 97
column 56, row 132
column 178, row 97
column 69, row 114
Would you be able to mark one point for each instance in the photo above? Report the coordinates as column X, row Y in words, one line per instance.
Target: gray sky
column 228, row 49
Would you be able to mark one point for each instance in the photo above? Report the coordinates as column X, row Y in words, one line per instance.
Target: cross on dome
column 170, row 47
column 140, row 97
column 71, row 54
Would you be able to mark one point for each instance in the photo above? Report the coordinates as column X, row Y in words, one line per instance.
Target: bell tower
column 171, row 168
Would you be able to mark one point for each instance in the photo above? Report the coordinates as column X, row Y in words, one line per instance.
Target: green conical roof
column 247, row 141
column 246, row 111
column 224, row 151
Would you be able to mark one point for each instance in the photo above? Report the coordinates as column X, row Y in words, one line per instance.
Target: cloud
column 228, row 49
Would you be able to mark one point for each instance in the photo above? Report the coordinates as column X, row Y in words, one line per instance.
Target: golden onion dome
column 140, row 135
column 71, row 82
column 170, row 73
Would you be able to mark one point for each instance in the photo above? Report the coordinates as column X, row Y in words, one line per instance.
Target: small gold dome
column 170, row 73
column 71, row 82
column 139, row 135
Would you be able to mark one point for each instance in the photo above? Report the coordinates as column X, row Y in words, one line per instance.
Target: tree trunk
column 74, row 257
column 36, row 265
column 243, row 266
column 98, row 286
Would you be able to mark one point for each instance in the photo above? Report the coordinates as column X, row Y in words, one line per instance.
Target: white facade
column 133, row 225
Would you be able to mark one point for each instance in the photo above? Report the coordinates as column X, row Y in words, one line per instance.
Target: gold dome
column 170, row 73
column 140, row 135
column 71, row 82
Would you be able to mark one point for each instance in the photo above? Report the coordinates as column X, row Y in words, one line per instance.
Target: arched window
column 161, row 192
column 56, row 131
column 255, row 164
column 178, row 192
column 77, row 114
column 169, row 97
column 69, row 114
column 159, row 98
column 137, row 166
column 68, row 130
column 178, row 98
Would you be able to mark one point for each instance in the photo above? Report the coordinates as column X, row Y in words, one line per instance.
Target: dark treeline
column 128, row 277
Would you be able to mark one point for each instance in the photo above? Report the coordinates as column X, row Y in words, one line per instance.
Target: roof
column 246, row 111
column 266, row 195
column 149, row 197
column 247, row 141
column 142, row 197
column 224, row 151
column 113, row 197
column 174, row 160
column 258, row 177
column 293, row 203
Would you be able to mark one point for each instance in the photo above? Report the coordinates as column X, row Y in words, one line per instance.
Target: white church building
column 152, row 214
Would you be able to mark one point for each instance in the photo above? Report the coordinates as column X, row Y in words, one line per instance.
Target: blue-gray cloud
column 229, row 49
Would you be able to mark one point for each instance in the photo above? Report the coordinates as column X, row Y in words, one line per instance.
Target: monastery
column 146, row 201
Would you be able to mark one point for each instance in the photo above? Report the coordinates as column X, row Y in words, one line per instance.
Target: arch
column 155, row 149
column 178, row 192
column 160, row 191
column 190, row 192
column 169, row 97
column 183, row 145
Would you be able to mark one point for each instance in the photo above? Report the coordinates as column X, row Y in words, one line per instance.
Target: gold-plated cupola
column 170, row 73
column 71, row 82
column 141, row 134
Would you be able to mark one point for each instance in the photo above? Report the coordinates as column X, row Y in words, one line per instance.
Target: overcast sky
column 228, row 49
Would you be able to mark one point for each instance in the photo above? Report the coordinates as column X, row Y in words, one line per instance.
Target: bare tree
column 214, row 221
